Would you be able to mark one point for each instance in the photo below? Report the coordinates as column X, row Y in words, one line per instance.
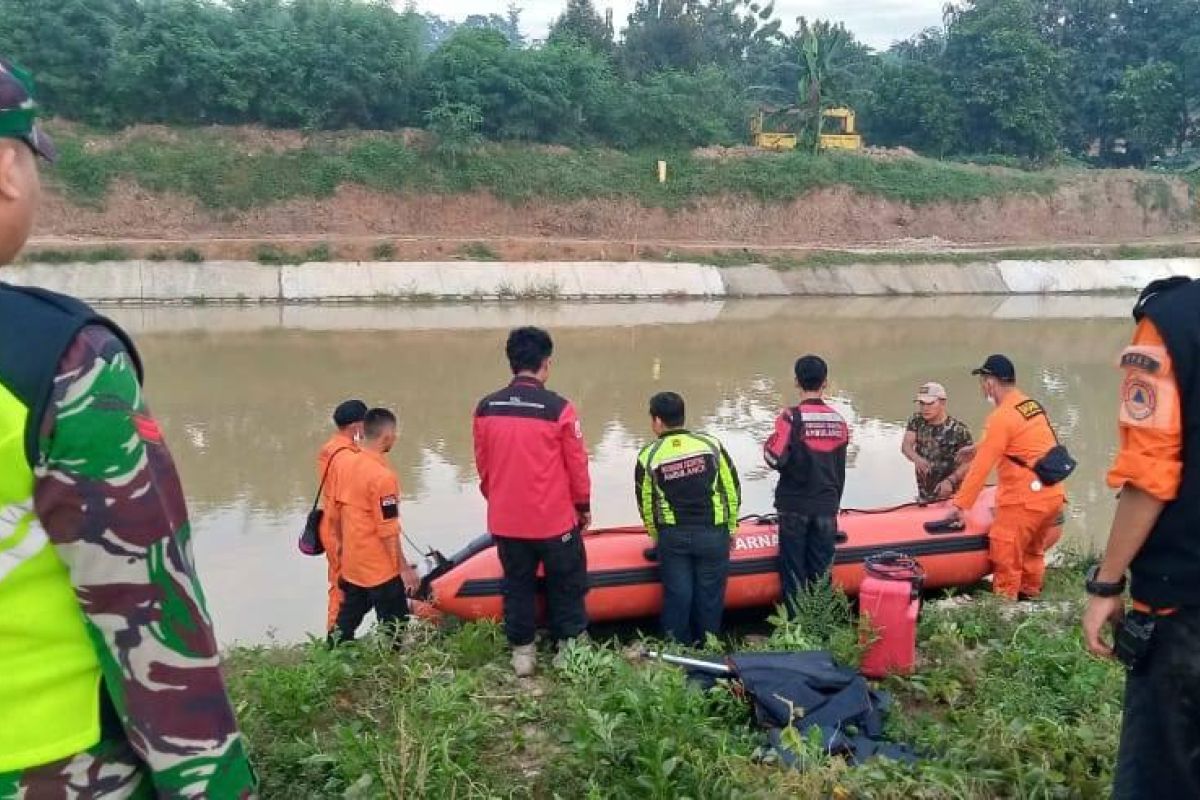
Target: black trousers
column 693, row 563
column 806, row 547
column 565, row 562
column 387, row 600
column 1159, row 755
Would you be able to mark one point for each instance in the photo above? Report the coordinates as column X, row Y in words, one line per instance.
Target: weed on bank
column 1006, row 703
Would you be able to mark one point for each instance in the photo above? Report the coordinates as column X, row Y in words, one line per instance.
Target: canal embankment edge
column 236, row 281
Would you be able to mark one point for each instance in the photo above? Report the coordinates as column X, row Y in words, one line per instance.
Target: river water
column 245, row 393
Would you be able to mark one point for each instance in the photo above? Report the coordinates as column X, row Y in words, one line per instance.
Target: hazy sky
column 876, row 22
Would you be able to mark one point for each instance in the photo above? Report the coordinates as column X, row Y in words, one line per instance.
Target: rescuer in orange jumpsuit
column 348, row 417
column 1016, row 435
column 374, row 575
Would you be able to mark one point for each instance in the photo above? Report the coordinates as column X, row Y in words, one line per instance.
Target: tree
column 662, row 34
column 68, row 45
column 818, row 68
column 1166, row 31
column 677, row 109
column 581, row 23
column 548, row 94
column 1149, row 109
column 1006, row 77
column 913, row 107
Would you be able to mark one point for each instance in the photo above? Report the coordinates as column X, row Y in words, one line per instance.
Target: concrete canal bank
column 232, row 281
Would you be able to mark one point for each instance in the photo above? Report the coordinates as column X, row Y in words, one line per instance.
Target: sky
column 878, row 23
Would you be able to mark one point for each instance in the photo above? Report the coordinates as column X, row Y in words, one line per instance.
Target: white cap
column 931, row 393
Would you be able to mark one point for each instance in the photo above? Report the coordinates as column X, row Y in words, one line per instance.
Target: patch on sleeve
column 1149, row 359
column 1139, row 399
column 1030, row 409
column 1134, row 359
column 389, row 506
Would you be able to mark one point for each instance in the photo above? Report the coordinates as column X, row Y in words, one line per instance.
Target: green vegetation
column 478, row 251
column 89, row 256
column 204, row 165
column 1006, row 704
column 1115, row 81
column 384, row 251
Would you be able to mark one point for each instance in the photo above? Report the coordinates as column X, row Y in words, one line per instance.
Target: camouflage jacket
column 939, row 445
column 110, row 500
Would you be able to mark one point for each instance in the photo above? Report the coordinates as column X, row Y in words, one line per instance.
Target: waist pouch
column 1053, row 468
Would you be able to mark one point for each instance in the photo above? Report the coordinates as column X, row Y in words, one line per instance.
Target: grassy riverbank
column 1006, row 703
column 222, row 170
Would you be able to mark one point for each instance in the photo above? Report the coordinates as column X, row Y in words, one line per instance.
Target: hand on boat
column 412, row 581
column 585, row 521
column 945, row 490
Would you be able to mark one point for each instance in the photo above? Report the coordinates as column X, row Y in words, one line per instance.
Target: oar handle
column 690, row 663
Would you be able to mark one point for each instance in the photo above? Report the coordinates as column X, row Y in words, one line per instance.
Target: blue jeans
column 1159, row 755
column 806, row 548
column 694, row 565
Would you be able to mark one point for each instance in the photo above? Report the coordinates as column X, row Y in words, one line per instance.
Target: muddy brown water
column 244, row 394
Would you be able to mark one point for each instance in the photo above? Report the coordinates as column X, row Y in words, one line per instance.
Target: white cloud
column 876, row 22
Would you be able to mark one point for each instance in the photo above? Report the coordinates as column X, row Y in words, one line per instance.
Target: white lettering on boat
column 763, row 542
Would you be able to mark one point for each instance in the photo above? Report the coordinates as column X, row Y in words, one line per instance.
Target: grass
column 202, row 164
column 88, row 256
column 478, row 251
column 833, row 258
column 481, row 251
column 1006, row 704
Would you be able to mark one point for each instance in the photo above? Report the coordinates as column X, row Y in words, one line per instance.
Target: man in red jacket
column 533, row 470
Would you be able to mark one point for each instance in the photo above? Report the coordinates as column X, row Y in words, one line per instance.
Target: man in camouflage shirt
column 939, row 446
column 98, row 522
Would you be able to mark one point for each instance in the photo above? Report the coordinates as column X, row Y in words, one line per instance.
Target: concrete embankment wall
column 227, row 281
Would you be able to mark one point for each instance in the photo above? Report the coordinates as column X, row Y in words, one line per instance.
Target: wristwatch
column 1098, row 588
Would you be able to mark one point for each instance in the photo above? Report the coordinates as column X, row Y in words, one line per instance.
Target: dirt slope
column 1108, row 207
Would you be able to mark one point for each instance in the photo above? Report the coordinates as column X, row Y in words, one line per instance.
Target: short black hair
column 811, row 372
column 668, row 407
column 528, row 348
column 349, row 412
column 376, row 422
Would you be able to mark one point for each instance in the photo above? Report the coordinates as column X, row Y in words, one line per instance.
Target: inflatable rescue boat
column 624, row 584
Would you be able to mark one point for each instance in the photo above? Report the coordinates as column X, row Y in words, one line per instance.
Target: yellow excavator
column 844, row 137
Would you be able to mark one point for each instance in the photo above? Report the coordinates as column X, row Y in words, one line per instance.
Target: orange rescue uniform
column 368, row 499
column 1017, row 543
column 1151, row 419
column 343, row 446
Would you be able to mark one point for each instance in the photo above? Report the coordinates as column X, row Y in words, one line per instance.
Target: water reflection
column 244, row 394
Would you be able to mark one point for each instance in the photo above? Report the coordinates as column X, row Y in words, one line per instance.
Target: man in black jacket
column 808, row 449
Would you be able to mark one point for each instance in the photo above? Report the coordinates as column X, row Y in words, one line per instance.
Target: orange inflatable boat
column 623, row 584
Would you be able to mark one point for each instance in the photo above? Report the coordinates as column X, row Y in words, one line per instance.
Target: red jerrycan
column 890, row 598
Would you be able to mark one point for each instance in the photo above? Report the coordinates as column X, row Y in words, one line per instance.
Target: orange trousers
column 334, row 572
column 1017, row 546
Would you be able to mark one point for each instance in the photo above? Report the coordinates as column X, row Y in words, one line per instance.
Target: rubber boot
column 524, row 660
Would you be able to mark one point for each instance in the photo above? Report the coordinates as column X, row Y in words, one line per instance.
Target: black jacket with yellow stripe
column 686, row 479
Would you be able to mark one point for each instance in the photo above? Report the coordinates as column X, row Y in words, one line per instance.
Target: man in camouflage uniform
column 110, row 682
column 938, row 445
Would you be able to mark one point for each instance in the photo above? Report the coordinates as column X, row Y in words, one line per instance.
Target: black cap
column 997, row 366
column 349, row 412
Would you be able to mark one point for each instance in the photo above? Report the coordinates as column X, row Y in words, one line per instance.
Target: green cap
column 19, row 109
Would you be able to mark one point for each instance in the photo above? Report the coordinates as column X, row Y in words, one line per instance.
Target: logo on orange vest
column 1140, row 399
column 1030, row 409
